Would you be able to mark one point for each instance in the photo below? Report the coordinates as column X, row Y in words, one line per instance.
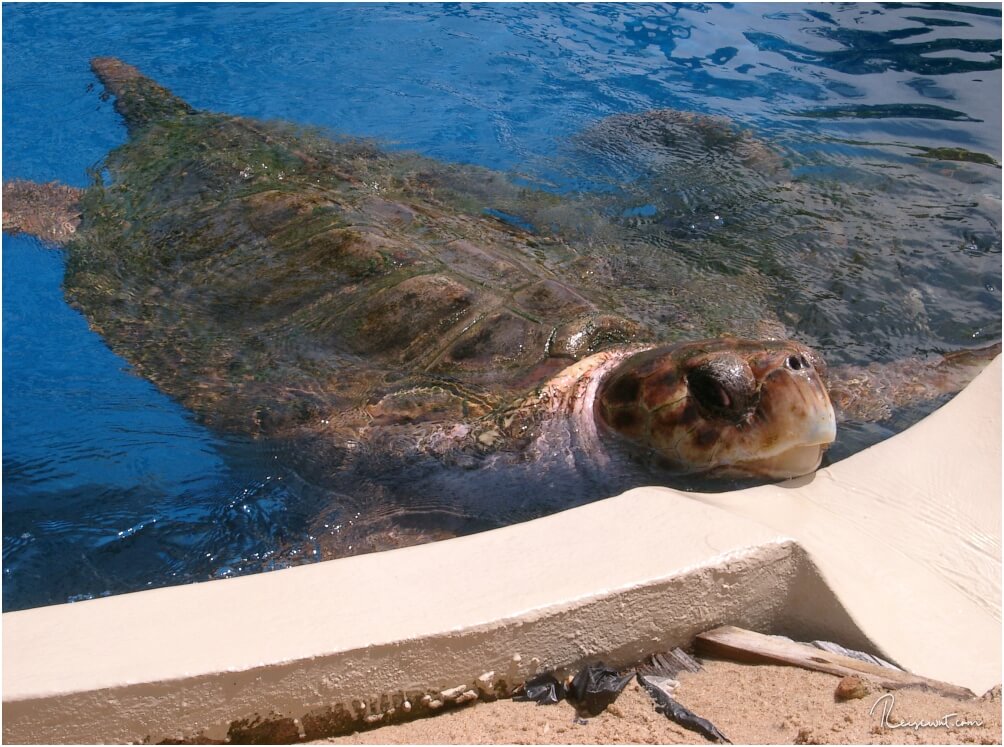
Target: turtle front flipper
column 138, row 99
column 49, row 211
column 872, row 393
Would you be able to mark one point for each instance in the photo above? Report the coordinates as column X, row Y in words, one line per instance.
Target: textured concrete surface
column 908, row 536
column 896, row 550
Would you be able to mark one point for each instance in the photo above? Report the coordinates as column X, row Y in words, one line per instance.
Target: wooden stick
column 745, row 645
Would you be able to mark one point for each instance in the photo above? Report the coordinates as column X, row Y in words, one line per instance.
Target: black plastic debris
column 542, row 690
column 658, row 687
column 597, row 686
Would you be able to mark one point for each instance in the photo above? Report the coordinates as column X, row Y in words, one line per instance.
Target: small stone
column 406, row 706
column 467, row 697
column 850, row 688
column 805, row 736
column 435, row 704
column 373, row 718
column 486, row 683
column 453, row 693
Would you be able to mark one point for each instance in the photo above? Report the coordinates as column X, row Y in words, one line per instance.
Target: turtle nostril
column 796, row 362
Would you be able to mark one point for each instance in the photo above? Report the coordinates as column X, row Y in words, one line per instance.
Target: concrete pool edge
column 616, row 579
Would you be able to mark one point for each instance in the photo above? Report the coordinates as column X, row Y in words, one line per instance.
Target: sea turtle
column 284, row 283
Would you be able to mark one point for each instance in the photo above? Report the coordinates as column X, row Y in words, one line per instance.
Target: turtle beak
column 801, row 424
column 820, row 424
column 823, row 429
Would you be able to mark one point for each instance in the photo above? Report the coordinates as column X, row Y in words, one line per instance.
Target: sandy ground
column 750, row 704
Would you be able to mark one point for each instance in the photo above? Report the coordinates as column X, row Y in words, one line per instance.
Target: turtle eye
column 724, row 387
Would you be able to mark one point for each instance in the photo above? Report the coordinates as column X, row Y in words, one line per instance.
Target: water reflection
column 866, row 52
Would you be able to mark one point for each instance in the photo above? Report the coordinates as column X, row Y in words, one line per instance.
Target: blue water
column 110, row 486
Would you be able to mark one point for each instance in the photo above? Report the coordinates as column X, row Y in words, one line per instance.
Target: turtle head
column 726, row 407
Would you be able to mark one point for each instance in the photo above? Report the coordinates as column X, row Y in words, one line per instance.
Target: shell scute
column 548, row 299
column 269, row 212
column 344, row 250
column 384, row 212
column 467, row 258
column 424, row 404
column 501, row 340
column 400, row 320
column 589, row 333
